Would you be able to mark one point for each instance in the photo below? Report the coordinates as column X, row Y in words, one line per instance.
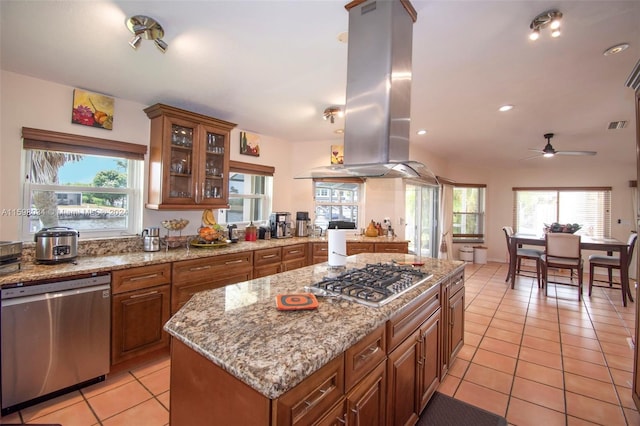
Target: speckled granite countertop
column 31, row 271
column 239, row 328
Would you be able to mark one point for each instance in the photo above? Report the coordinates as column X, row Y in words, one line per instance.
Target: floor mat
column 443, row 410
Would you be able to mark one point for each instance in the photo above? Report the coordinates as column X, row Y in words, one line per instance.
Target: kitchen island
column 236, row 359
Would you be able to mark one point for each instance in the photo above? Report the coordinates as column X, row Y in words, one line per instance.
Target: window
column 250, row 194
column 336, row 200
column 88, row 184
column 421, row 207
column 468, row 213
column 588, row 207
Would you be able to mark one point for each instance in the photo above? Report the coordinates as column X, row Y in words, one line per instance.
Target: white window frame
column 357, row 204
column 480, row 236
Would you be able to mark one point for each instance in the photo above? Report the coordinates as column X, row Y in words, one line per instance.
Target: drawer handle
column 341, row 420
column 143, row 277
column 391, row 249
column 200, row 268
column 294, row 252
column 452, row 316
column 315, row 401
column 231, row 262
column 324, row 249
column 269, row 256
column 372, row 350
column 135, row 296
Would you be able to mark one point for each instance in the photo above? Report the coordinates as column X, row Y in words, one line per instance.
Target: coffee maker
column 280, row 224
column 302, row 224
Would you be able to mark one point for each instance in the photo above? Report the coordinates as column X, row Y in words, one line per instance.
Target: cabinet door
column 402, row 382
column 137, row 320
column 180, row 178
column 335, row 417
column 366, row 402
column 213, row 166
column 429, row 362
column 456, row 324
column 319, row 252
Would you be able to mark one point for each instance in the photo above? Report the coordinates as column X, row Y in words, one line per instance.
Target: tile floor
column 535, row 360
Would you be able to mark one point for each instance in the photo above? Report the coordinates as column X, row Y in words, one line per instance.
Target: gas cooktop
column 374, row 285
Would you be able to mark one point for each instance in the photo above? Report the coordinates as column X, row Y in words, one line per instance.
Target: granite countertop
column 239, row 328
column 31, row 271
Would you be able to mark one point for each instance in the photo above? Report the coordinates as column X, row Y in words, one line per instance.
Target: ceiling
column 273, row 66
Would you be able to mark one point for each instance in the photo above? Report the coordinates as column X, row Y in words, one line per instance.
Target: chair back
column 631, row 244
column 563, row 245
column 508, row 232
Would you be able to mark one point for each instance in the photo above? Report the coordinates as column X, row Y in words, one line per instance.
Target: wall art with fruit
column 92, row 109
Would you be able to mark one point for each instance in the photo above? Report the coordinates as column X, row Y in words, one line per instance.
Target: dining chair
column 562, row 251
column 523, row 253
column 611, row 263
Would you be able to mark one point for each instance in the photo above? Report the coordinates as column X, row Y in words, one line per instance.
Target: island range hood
column 377, row 116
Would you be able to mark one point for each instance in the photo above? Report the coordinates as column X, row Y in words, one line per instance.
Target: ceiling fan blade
column 536, row 150
column 533, row 156
column 576, row 152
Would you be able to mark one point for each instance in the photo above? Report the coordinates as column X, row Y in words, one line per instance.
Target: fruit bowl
column 175, row 241
column 175, row 224
column 556, row 227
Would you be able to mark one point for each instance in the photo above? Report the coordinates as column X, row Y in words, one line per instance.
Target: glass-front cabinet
column 188, row 160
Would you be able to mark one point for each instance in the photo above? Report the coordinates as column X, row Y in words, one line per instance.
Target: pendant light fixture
column 330, row 113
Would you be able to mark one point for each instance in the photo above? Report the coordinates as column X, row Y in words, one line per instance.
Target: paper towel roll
column 337, row 247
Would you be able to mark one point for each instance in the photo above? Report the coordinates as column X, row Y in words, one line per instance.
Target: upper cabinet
column 188, row 160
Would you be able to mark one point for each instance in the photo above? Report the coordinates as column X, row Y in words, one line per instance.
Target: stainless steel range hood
column 377, row 116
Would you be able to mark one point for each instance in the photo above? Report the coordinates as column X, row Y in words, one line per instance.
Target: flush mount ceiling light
column 330, row 113
column 616, row 49
column 144, row 27
column 421, row 132
column 505, row 108
column 551, row 19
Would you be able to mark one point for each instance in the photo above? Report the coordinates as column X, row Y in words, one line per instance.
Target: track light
column 551, row 19
column 330, row 113
column 143, row 26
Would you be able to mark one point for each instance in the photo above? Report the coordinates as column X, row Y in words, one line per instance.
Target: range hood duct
column 378, row 108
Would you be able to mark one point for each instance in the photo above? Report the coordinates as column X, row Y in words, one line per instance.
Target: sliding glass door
column 421, row 207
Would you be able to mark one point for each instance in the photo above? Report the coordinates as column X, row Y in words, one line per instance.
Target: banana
column 208, row 218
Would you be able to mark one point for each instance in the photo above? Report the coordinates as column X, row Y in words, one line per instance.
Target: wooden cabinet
column 294, row 256
column 413, row 364
column 312, row 399
column 192, row 276
column 139, row 309
column 390, row 247
column 357, row 247
column 453, row 299
column 267, row 262
column 366, row 401
column 319, row 252
column 188, row 159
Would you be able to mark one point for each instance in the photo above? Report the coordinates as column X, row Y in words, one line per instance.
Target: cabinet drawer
column 296, row 251
column 266, row 270
column 406, row 322
column 140, row 277
column 212, row 268
column 320, row 249
column 356, row 248
column 267, row 256
column 392, row 247
column 362, row 357
column 310, row 400
column 456, row 283
column 182, row 291
column 293, row 264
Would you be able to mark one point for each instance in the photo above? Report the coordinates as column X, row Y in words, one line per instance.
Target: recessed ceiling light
column 421, row 132
column 343, row 37
column 504, row 108
column 615, row 49
column 339, row 131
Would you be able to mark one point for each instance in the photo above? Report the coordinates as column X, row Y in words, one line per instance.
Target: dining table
column 609, row 245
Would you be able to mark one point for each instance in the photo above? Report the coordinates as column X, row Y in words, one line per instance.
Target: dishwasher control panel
column 24, row 289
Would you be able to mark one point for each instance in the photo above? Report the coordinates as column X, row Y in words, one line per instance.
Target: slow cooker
column 56, row 245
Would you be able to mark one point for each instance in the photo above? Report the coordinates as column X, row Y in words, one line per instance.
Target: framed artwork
column 337, row 154
column 249, row 144
column 92, row 109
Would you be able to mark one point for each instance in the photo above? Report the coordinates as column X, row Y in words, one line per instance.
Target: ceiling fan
column 549, row 151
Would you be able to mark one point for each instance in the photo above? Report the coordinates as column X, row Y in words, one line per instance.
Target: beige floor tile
column 157, row 382
column 633, row 418
column 621, row 377
column 538, row 393
column 499, row 346
column 482, row 397
column 593, row 410
column 616, row 349
column 164, row 399
column 480, row 310
column 449, row 385
column 603, row 391
column 626, row 397
column 541, row 333
column 476, row 318
column 536, row 356
column 475, row 328
column 579, row 341
column 458, row 367
column 112, row 381
column 152, row 411
column 520, row 319
column 119, row 399
column 496, row 361
column 541, row 344
column 507, row 336
column 574, row 421
column 507, row 325
column 150, row 367
column 472, row 339
column 489, row 378
column 586, row 369
column 619, row 362
column 467, row 352
column 524, row 413
column 578, row 331
column 539, row 373
column 595, row 357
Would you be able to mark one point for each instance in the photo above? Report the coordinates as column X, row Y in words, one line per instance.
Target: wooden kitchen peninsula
column 235, row 359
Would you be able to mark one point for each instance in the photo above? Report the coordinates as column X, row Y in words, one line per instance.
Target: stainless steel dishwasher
column 55, row 337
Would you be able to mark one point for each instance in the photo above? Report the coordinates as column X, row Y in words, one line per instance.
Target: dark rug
column 442, row 410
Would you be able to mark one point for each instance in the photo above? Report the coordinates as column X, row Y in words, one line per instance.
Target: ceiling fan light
column 548, row 154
